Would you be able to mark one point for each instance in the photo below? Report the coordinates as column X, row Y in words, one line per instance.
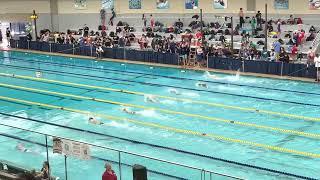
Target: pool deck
column 172, row 66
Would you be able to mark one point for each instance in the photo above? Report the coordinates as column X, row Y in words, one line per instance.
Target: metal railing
column 316, row 43
column 203, row 174
column 92, row 50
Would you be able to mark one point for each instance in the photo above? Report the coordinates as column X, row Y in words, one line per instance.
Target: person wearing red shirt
column 300, row 37
column 152, row 22
column 109, row 174
column 198, row 35
column 294, row 52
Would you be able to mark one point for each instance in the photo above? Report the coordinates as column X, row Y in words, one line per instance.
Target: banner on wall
column 314, row 4
column 71, row 148
column 281, row 4
column 192, row 4
column 80, row 4
column 162, row 4
column 107, row 4
column 220, row 4
column 134, row 4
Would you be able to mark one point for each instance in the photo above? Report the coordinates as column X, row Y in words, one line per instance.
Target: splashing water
column 148, row 113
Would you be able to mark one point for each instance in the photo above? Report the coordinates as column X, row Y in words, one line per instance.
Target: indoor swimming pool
column 244, row 126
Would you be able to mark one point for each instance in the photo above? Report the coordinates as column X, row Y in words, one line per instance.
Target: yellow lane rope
column 168, row 128
column 164, row 97
column 287, row 131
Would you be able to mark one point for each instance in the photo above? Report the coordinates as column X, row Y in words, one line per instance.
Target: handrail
column 316, row 42
column 126, row 152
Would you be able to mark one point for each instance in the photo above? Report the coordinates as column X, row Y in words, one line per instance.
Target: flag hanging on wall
column 220, row 4
column 134, row 4
column 314, row 4
column 162, row 4
column 281, row 4
column 107, row 4
column 191, row 4
column 80, row 4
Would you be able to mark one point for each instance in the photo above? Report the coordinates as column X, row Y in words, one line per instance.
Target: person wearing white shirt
column 317, row 65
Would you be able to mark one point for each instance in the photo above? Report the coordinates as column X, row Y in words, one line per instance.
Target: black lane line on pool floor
column 164, row 147
column 161, row 85
column 94, row 157
column 79, row 67
column 180, row 78
column 76, row 76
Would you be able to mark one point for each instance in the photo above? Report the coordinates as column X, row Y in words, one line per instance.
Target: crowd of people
column 211, row 41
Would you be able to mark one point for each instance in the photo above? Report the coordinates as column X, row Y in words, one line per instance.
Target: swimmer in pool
column 20, row 147
column 201, row 84
column 94, row 121
column 211, row 76
column 150, row 98
column 128, row 111
column 174, row 91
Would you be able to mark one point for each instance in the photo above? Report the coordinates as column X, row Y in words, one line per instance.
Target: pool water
column 242, row 119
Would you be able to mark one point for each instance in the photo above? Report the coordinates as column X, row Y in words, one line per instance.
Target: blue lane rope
column 164, row 147
column 161, row 85
column 158, row 75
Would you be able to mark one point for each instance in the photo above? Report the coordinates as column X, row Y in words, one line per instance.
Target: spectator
column 317, row 65
column 184, row 51
column 0, row 35
column 300, row 37
column 291, row 20
column 310, row 56
column 299, row 21
column 283, row 56
column 8, row 35
column 179, row 24
column 85, row 31
column 279, row 28
column 253, row 25
column 294, row 52
column 272, row 55
column 277, row 49
column 45, row 171
column 143, row 42
column 152, row 22
column 113, row 15
column 29, row 37
column 241, row 16
column 99, row 50
column 264, row 54
column 200, row 55
column 109, row 174
column 144, row 19
column 259, row 19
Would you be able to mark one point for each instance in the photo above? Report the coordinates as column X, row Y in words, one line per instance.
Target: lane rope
column 164, row 97
column 231, row 122
column 162, row 85
column 165, row 147
column 157, row 75
column 168, row 128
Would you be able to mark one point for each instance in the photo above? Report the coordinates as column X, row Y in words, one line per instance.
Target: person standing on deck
column 317, row 65
column 241, row 17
